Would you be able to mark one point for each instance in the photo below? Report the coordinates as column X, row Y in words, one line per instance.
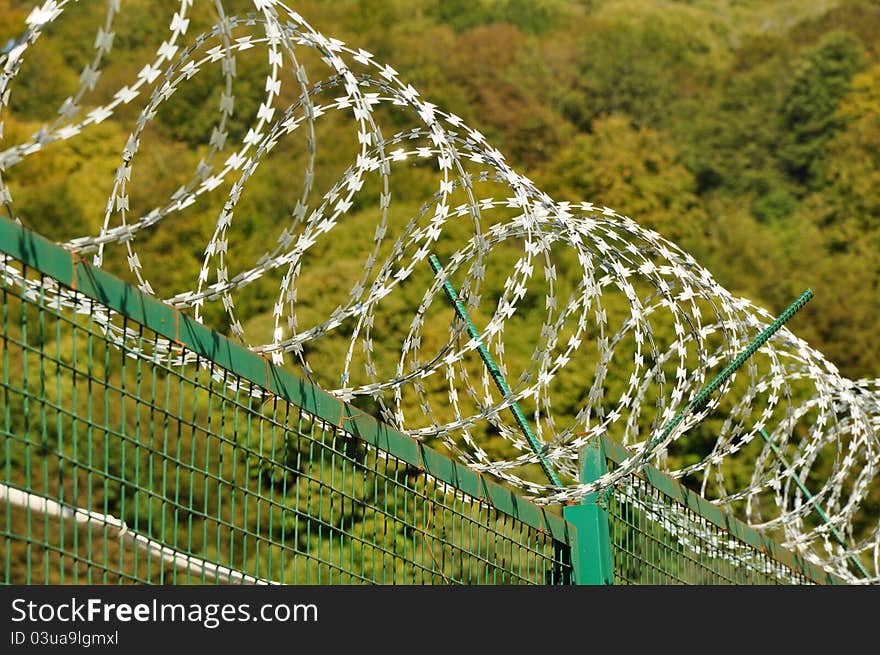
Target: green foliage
column 809, row 117
column 638, row 66
column 776, row 204
column 531, row 16
column 731, row 144
column 634, row 170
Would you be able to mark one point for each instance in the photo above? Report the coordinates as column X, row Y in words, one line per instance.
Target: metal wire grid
column 124, row 468
column 123, row 464
column 655, row 540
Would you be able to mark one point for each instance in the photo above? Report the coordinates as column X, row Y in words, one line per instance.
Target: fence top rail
column 69, row 269
column 693, row 501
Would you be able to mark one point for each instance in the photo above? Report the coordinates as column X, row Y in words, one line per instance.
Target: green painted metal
column 497, row 376
column 703, row 396
column 838, row 537
column 208, row 464
column 120, row 467
column 591, row 559
column 647, row 547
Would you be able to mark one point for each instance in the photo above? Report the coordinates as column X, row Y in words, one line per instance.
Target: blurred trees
column 809, row 112
column 634, row 170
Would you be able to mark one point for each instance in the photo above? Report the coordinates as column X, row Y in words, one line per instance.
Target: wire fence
column 140, row 447
column 662, row 533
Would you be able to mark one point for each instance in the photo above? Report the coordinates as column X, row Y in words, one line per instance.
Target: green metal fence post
column 838, row 537
column 591, row 549
column 497, row 376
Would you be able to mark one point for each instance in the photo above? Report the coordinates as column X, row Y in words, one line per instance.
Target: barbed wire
column 650, row 322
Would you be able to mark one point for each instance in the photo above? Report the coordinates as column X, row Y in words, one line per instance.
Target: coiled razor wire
column 790, row 390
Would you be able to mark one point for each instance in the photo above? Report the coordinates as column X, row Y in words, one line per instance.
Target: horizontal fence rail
column 141, row 447
column 663, row 533
column 138, row 446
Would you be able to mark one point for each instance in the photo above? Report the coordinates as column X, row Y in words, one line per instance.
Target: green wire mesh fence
column 140, row 447
column 662, row 533
column 120, row 467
